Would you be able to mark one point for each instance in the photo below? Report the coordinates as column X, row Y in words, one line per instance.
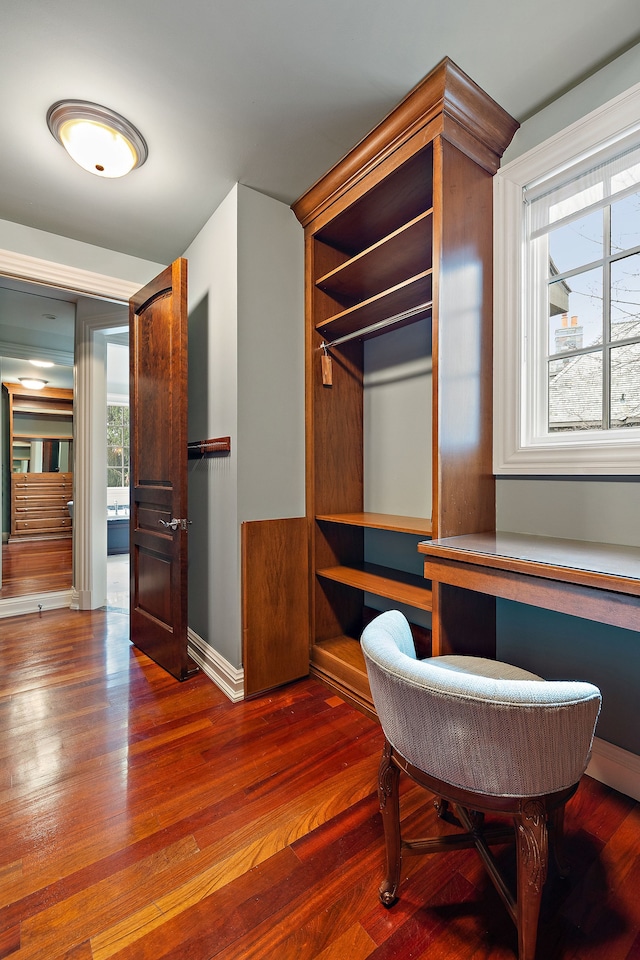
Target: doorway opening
column 118, row 474
column 37, row 335
column 81, row 356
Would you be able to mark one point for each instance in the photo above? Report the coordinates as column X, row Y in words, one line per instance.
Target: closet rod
column 374, row 327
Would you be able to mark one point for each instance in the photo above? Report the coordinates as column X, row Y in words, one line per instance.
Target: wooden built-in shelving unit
column 40, row 444
column 400, row 231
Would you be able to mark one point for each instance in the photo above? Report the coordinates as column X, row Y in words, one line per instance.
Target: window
column 568, row 300
column 117, row 445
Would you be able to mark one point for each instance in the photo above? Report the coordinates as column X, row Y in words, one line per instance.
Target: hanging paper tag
column 327, row 373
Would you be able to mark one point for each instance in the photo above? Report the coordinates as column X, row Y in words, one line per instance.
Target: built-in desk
column 596, row 581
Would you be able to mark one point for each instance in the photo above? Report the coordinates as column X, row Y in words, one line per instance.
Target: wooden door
column 158, row 444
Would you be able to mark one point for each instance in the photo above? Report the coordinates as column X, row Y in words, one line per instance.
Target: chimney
column 568, row 336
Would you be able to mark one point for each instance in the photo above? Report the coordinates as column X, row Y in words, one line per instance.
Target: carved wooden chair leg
column 532, row 860
column 442, row 807
column 556, row 838
column 389, row 797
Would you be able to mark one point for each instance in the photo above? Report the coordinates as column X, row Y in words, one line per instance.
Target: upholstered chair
column 486, row 738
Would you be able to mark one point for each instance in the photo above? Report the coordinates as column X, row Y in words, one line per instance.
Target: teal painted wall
column 560, row 647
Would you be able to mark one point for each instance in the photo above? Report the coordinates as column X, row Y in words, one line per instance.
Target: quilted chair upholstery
column 486, row 737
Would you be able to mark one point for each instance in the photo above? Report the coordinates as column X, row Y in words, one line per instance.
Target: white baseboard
column 616, row 767
column 35, row 603
column 230, row 679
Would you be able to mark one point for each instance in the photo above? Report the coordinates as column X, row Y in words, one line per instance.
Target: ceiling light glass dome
column 98, row 139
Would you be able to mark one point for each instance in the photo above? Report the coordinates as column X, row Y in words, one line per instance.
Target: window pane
column 114, row 477
column 580, row 323
column 114, row 414
column 625, row 298
column 625, row 223
column 575, row 393
column 577, row 243
column 114, row 456
column 625, row 386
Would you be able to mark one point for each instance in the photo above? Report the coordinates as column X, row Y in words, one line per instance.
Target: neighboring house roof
column 575, row 388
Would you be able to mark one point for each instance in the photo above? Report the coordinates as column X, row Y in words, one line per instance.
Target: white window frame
column 113, row 401
column 516, row 393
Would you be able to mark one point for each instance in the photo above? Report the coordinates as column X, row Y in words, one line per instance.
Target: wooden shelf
column 397, row 232
column 396, row 200
column 381, row 521
column 404, row 253
column 340, row 660
column 395, row 300
column 386, row 582
column 43, row 436
column 40, row 421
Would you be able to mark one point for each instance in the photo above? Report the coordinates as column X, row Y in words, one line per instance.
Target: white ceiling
column 37, row 323
column 269, row 94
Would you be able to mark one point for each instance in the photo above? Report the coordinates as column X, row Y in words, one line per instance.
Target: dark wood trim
column 446, row 95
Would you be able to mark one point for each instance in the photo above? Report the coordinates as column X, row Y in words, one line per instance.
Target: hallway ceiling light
column 98, row 139
column 33, row 384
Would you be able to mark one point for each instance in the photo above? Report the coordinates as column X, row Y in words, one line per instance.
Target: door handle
column 174, row 523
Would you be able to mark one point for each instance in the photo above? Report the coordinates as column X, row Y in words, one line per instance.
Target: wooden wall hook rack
column 208, row 448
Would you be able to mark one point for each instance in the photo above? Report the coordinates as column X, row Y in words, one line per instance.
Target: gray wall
column 270, row 359
column 555, row 645
column 246, row 381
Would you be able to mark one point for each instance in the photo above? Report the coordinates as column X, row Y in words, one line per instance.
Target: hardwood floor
column 35, row 566
column 145, row 819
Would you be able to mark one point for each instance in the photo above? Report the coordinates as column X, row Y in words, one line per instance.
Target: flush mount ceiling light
column 100, row 140
column 33, row 384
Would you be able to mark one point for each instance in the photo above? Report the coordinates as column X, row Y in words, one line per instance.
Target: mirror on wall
column 37, row 337
column 38, row 455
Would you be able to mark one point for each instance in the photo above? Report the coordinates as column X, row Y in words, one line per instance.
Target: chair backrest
column 478, row 724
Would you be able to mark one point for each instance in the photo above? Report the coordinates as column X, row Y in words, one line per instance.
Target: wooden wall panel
column 275, row 604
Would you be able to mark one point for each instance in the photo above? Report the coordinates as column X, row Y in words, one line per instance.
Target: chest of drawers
column 39, row 505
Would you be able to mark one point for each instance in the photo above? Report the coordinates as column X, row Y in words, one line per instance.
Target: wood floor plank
column 239, row 852
column 36, row 566
column 145, row 819
column 354, row 943
column 75, row 919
